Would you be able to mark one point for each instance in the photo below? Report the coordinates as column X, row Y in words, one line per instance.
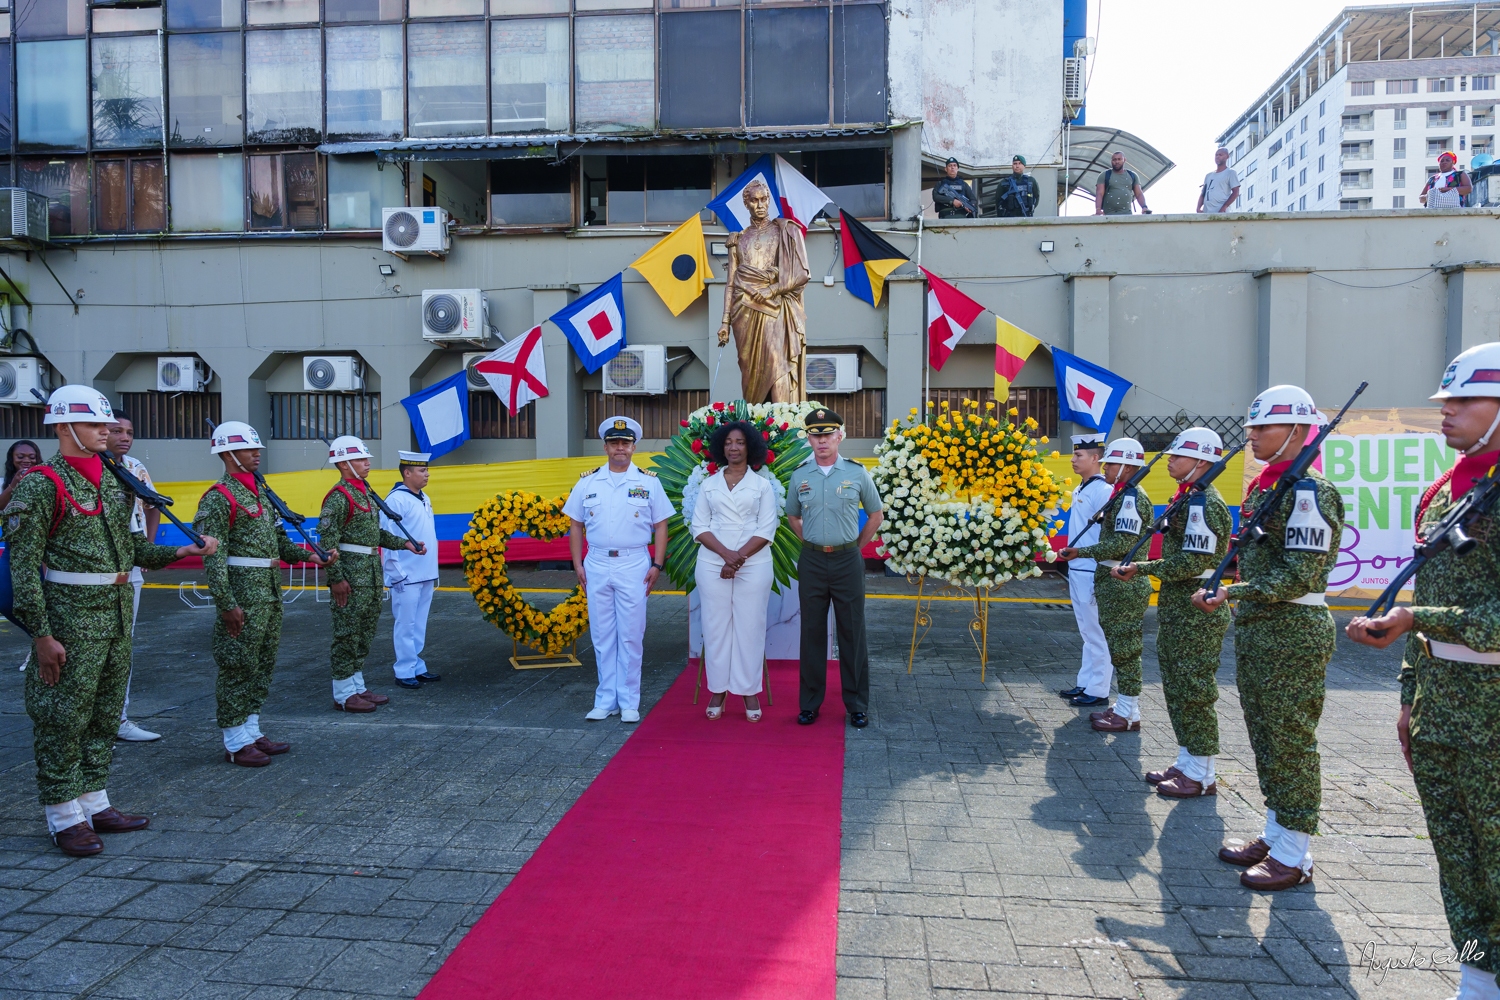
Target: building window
column 203, row 14
column 52, row 94
column 1320, row 192
column 1358, row 123
column 1398, row 177
column 1273, row 199
column 203, row 88
column 1399, row 201
column 1302, row 177
column 1439, row 119
column 1398, row 149
column 1361, row 88
column 281, row 11
column 161, row 416
column 5, row 96
column 1303, row 127
column 1486, row 82
column 529, row 75
column 1322, row 108
column 1239, row 151
column 1322, row 134
column 361, row 10
column 285, row 192
column 1482, row 144
column 358, row 188
column 1303, row 151
column 531, row 193
column 859, row 72
column 786, row 66
column 65, row 182
column 50, row 18
column 467, row 8
column 854, row 178
column 126, row 83
column 1251, row 168
column 1440, row 84
column 129, row 195
column 652, row 188
column 1302, row 203
column 445, row 76
column 311, row 416
column 1484, row 114
column 365, row 77
column 208, row 192
column 615, row 73
column 1250, row 194
column 1274, row 172
column 1436, row 146
column 1401, row 86
column 489, row 419
column 697, row 49
column 284, row 85
column 1400, row 119
column 1275, row 148
column 1291, row 184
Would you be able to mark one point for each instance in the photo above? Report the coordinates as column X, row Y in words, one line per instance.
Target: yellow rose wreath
column 483, row 547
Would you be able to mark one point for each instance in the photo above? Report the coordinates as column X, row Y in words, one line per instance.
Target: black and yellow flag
column 677, row 266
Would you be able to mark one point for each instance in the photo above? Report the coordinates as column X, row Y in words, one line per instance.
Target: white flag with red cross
column 950, row 313
column 517, row 371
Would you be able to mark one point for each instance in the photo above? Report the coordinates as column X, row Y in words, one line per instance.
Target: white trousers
column 1096, row 672
column 135, row 612
column 410, row 604
column 616, row 594
column 734, row 621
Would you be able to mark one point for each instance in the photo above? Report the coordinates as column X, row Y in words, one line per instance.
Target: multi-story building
column 1359, row 118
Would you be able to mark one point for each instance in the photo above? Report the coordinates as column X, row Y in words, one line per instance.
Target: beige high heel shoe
column 752, row 714
column 715, row 711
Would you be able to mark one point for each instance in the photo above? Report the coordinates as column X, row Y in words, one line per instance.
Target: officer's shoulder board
column 648, row 472
column 585, row 475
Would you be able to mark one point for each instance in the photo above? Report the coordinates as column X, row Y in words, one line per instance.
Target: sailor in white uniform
column 1090, row 495
column 411, row 577
column 619, row 509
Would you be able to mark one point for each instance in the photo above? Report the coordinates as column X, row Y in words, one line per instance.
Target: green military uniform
column 247, row 530
column 1455, row 728
column 1283, row 640
column 1122, row 603
column 74, row 722
column 1188, row 642
column 350, row 524
column 831, row 571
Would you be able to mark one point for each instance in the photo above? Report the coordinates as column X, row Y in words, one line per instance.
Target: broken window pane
column 284, row 85
column 529, row 65
column 859, row 78
column 445, row 72
column 267, row 197
column 786, row 66
column 127, row 91
column 531, row 193
column 364, row 82
column 700, row 69
column 358, row 188
column 203, row 89
column 616, row 72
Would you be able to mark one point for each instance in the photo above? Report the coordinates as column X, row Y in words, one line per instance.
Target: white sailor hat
column 620, row 429
column 414, row 457
column 1088, row 441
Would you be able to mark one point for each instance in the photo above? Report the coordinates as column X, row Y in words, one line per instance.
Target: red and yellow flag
column 1013, row 346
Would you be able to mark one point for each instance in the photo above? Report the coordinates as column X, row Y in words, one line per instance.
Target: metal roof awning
column 1089, row 149
column 563, row 145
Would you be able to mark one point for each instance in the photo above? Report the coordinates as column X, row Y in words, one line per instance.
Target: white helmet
column 1283, row 404
column 1198, row 442
column 234, row 435
column 345, row 448
column 1475, row 372
column 1124, row 451
column 78, row 404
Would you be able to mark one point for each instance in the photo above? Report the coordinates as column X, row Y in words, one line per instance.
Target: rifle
column 1449, row 533
column 1138, row 477
column 395, row 518
column 1200, row 484
column 280, row 507
column 1255, row 530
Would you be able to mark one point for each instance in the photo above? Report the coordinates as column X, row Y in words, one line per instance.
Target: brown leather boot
column 1272, row 876
column 1109, row 722
column 248, row 755
column 1183, row 787
column 111, row 820
column 78, row 840
column 355, row 703
column 1157, row 777
column 271, row 747
column 1252, row 853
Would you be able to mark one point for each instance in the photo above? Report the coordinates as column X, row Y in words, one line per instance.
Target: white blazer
column 735, row 516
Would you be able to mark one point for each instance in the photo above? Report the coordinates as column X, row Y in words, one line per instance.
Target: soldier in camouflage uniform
column 1283, row 638
column 350, row 525
column 244, row 580
column 1187, row 646
column 1122, row 603
column 72, row 517
column 1449, row 726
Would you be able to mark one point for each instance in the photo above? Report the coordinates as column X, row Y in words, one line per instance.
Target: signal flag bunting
column 517, row 371
column 595, row 324
column 1087, row 394
column 677, row 266
column 868, row 259
column 950, row 313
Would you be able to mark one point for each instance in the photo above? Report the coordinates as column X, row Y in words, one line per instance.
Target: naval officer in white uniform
column 411, row 577
column 619, row 509
column 1089, row 497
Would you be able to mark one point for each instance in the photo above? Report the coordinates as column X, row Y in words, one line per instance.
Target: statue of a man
column 763, row 303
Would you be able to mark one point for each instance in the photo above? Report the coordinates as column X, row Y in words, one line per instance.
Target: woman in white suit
column 733, row 522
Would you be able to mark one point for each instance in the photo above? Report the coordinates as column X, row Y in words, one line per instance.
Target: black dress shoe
column 1087, row 701
column 428, row 678
column 408, row 682
column 807, row 717
column 1072, row 692
column 858, row 720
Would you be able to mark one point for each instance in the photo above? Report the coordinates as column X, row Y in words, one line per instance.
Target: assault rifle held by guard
column 395, row 518
column 1196, row 486
column 1135, row 480
column 1256, row 530
column 280, row 507
column 1452, row 532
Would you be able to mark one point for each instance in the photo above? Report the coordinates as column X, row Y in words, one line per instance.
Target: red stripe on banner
column 702, row 862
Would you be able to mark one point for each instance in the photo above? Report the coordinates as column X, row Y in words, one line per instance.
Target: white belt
column 615, row 553
column 85, row 579
column 1205, row 575
column 1456, row 651
column 1310, row 600
column 251, row 561
column 364, row 550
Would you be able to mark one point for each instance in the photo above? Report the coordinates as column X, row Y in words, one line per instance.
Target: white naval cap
column 414, row 457
column 620, row 429
column 1088, row 441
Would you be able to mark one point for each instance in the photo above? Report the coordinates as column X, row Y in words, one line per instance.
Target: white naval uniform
column 137, row 580
column 412, row 578
column 619, row 512
column 1096, row 671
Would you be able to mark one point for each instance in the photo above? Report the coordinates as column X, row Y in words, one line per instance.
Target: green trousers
column 1122, row 610
column 835, row 579
column 353, row 627
column 1281, row 661
column 246, row 663
column 1188, row 643
column 1460, row 791
column 75, row 721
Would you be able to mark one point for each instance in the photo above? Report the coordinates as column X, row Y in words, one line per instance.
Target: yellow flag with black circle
column 677, row 266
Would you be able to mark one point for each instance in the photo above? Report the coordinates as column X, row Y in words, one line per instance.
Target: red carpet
column 702, row 862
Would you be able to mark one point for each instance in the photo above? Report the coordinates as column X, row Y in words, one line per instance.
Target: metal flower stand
column 944, row 592
column 543, row 661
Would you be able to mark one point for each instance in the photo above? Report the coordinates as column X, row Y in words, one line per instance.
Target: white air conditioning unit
column 639, row 370
column 18, row 376
column 414, row 230
column 181, row 374
column 833, row 373
column 454, row 314
column 477, row 382
column 332, row 373
column 1075, row 78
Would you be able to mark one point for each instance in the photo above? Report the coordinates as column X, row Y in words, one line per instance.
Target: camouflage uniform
column 1455, row 728
column 74, row 722
column 1188, row 642
column 1281, row 654
column 340, row 524
column 1122, row 604
column 251, row 531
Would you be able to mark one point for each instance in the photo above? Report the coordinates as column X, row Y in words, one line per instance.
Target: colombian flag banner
column 867, row 259
column 1013, row 346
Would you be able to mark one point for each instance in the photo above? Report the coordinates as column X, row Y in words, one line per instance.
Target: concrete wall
column 1200, row 312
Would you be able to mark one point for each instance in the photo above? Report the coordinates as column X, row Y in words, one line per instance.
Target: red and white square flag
column 949, row 314
column 595, row 323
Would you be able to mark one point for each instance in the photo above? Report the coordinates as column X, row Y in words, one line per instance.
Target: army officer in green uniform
column 822, row 506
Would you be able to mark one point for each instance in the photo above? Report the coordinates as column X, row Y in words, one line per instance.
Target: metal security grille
column 162, row 415
column 307, row 416
column 488, row 418
column 863, row 411
column 1156, row 433
column 659, row 416
column 1039, row 403
column 22, row 421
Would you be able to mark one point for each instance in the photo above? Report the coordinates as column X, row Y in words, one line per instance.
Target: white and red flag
column 595, row 323
column 801, row 199
column 950, row 313
column 517, row 371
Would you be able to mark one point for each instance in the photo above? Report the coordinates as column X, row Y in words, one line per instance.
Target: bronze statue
column 763, row 303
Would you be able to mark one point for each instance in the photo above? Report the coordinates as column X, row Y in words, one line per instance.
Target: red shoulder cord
column 343, row 487
column 235, row 506
column 63, row 495
column 1424, row 503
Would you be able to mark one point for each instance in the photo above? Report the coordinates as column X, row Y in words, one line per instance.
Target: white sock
column 1291, row 849
column 1200, row 769
column 1475, row 984
column 63, row 815
column 344, row 688
column 1127, row 707
column 359, row 679
column 93, row 802
column 252, row 726
column 1182, row 759
column 1273, row 830
column 237, row 737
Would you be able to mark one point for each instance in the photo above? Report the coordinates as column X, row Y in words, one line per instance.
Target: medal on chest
column 1306, row 530
column 1197, row 536
column 1128, row 520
